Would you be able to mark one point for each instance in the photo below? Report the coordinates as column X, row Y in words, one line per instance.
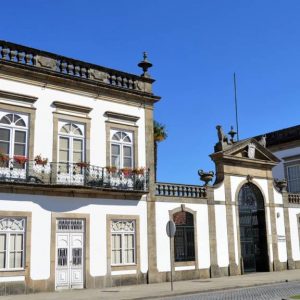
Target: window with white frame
column 121, row 149
column 123, row 242
column 13, row 134
column 12, row 239
column 71, row 142
column 293, row 177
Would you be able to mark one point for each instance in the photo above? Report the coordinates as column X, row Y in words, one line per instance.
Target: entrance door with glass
column 69, row 254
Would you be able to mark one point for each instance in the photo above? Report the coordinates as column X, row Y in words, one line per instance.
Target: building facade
column 79, row 207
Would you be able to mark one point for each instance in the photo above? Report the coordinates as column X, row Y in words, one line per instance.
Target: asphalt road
column 266, row 292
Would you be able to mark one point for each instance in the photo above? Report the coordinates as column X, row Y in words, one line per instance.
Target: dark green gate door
column 254, row 250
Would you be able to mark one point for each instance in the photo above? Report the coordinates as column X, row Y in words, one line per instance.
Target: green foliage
column 160, row 132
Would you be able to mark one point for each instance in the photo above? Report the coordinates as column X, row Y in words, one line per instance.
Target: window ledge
column 8, row 273
column 185, row 263
column 124, row 267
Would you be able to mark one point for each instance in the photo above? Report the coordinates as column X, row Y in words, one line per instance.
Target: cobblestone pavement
column 267, row 292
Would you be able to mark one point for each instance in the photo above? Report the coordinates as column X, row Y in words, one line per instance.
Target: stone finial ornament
column 223, row 139
column 281, row 184
column 206, row 176
column 145, row 65
column 232, row 133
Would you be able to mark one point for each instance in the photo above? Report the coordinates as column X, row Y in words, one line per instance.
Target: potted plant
column 4, row 157
column 111, row 169
column 20, row 159
column 139, row 171
column 39, row 160
column 82, row 164
column 127, row 171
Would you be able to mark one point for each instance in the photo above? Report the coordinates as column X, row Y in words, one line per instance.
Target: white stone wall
column 41, row 208
column 163, row 241
column 44, row 118
column 294, row 221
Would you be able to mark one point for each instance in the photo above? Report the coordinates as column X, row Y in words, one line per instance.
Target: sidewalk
column 159, row 290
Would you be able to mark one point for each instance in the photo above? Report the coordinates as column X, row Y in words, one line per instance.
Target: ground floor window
column 184, row 240
column 123, row 242
column 12, row 232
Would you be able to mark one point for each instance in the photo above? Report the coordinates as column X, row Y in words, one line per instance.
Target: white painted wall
column 44, row 118
column 219, row 192
column 41, row 208
column 162, row 240
column 294, row 232
column 277, row 197
column 278, row 171
column 282, row 253
column 235, row 181
column 221, row 235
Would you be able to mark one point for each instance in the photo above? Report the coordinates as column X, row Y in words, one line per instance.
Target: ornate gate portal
column 253, row 236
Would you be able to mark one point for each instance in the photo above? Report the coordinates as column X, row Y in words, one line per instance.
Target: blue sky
column 195, row 47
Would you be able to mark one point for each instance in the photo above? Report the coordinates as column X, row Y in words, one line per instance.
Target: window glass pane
column 116, row 241
column 115, row 161
column 116, row 257
column 5, row 120
column 77, row 145
column 129, row 256
column 4, row 134
column 127, row 139
column 4, row 147
column 77, row 156
column 129, row 241
column 116, row 136
column 20, row 136
column 76, row 130
column 66, row 128
column 12, row 260
column 20, row 122
column 63, row 155
column 2, row 260
column 9, row 117
column 18, row 260
column 2, row 242
column 12, row 242
column 127, row 162
column 19, row 242
column 63, row 143
column 127, row 151
column 115, row 149
column 19, row 149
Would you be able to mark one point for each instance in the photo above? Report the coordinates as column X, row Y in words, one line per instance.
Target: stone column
column 290, row 261
column 233, row 267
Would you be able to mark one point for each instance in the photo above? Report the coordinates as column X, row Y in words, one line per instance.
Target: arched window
column 13, row 134
column 184, row 240
column 71, row 142
column 121, row 149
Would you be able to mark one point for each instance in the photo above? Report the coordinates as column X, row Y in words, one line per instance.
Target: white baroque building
column 79, row 207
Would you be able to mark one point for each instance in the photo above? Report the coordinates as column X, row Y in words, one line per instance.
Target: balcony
column 180, row 190
column 73, row 174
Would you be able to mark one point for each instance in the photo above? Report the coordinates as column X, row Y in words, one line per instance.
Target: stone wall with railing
column 180, row 190
column 294, row 198
column 35, row 58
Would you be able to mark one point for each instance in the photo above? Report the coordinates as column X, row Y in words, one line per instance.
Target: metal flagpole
column 236, row 108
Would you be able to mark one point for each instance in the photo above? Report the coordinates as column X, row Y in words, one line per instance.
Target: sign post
column 171, row 230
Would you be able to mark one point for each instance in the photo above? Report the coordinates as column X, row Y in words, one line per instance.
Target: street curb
column 170, row 294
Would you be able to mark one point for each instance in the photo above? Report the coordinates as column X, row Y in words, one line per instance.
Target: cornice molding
column 72, row 107
column 122, row 117
column 18, row 97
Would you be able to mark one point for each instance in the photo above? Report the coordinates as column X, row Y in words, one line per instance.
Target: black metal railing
column 180, row 190
column 74, row 174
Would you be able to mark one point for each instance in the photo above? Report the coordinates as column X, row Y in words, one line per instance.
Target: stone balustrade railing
column 71, row 67
column 294, row 198
column 180, row 190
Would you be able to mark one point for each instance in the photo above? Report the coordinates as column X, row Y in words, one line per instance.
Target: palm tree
column 160, row 134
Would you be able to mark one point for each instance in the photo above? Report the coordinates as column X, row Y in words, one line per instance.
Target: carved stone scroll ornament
column 46, row 62
column 263, row 140
column 98, row 75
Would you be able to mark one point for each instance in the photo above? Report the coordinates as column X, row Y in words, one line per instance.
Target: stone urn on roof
column 206, row 177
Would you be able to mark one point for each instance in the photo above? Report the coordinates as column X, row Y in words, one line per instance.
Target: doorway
column 253, row 234
column 69, row 273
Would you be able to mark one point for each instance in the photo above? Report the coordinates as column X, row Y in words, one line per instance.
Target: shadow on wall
column 66, row 204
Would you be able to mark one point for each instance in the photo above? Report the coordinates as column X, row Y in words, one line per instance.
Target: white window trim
column 122, row 144
column 12, row 129
column 71, row 137
column 122, row 233
column 289, row 180
column 7, row 234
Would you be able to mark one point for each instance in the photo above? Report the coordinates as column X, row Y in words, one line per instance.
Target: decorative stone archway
column 252, row 228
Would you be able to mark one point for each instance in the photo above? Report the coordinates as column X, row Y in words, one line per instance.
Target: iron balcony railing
column 74, row 174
